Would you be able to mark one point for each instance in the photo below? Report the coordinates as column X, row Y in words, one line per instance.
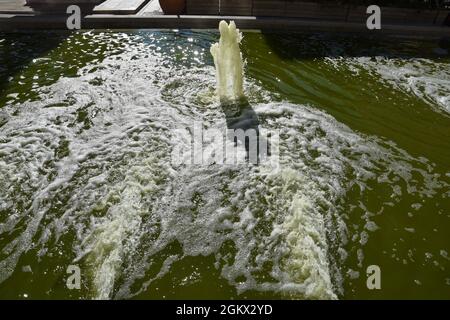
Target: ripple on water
column 92, row 157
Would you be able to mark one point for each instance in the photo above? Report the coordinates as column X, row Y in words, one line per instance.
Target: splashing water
column 228, row 61
column 87, row 177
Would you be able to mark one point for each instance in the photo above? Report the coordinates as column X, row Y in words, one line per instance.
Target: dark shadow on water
column 240, row 115
column 306, row 46
column 17, row 50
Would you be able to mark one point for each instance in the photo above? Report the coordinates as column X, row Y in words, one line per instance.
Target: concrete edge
column 13, row 22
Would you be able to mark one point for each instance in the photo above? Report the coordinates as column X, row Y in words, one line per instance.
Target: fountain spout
column 228, row 62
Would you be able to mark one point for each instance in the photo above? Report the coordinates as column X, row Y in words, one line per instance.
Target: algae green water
column 87, row 124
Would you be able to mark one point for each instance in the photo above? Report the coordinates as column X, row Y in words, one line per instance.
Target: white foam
column 112, row 178
column 118, row 233
column 429, row 80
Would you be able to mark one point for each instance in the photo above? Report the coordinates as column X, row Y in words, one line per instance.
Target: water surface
column 87, row 124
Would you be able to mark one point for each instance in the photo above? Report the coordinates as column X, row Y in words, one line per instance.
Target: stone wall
column 314, row 10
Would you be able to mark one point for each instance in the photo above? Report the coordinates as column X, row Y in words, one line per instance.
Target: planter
column 173, row 6
column 236, row 7
column 208, row 7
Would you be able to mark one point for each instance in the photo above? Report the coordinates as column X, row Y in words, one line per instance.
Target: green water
column 87, row 124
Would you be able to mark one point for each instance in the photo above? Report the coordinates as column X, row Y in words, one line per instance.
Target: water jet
column 228, row 62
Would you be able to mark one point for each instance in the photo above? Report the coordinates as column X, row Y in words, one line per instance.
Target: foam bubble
column 92, row 158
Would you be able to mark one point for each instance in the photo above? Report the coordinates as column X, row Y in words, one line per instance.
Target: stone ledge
column 30, row 22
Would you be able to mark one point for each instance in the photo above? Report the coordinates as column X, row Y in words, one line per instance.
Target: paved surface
column 151, row 9
column 14, row 6
column 120, row 6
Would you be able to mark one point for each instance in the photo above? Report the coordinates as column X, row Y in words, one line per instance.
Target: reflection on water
column 86, row 133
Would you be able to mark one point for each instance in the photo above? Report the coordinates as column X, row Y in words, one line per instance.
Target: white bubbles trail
column 117, row 235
